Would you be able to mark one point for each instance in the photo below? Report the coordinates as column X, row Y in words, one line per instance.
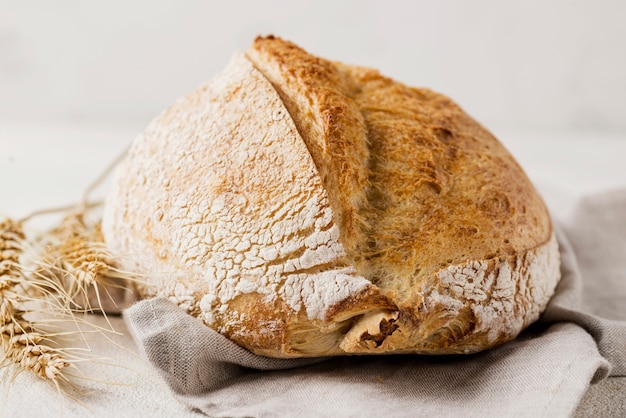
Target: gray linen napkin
column 597, row 254
column 544, row 372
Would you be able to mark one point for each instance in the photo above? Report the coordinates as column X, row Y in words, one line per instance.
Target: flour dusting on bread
column 231, row 224
column 502, row 294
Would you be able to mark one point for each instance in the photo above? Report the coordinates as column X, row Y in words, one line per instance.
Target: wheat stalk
column 77, row 257
column 21, row 342
column 25, row 346
column 70, row 268
column 11, row 239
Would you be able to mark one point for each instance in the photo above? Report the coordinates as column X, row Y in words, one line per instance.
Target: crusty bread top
column 423, row 184
column 303, row 207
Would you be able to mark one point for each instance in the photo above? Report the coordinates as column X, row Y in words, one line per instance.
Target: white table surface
column 50, row 165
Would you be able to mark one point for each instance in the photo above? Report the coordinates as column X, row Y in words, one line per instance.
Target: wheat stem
column 102, row 176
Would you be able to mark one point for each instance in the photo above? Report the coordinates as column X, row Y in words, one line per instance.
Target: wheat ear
column 72, row 263
column 22, row 343
column 77, row 257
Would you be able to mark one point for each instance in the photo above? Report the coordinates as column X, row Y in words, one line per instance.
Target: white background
column 531, row 65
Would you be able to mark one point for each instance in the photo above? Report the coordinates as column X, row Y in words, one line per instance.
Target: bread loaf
column 303, row 207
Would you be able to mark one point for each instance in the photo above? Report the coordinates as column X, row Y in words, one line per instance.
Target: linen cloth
column 581, row 338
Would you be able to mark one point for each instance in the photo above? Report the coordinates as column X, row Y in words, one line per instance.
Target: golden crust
column 439, row 190
column 437, row 242
column 436, row 185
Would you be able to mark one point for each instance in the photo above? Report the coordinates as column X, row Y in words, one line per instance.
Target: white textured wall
column 532, row 65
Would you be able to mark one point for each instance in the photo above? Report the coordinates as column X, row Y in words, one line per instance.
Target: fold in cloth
column 544, row 372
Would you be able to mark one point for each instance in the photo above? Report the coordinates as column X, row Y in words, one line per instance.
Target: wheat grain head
column 20, row 342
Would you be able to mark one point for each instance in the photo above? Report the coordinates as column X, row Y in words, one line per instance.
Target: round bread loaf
column 303, row 207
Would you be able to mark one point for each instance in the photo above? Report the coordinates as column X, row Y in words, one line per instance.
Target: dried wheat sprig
column 11, row 246
column 103, row 175
column 11, row 274
column 26, row 347
column 21, row 343
column 77, row 258
column 34, row 350
column 72, row 263
column 84, row 261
